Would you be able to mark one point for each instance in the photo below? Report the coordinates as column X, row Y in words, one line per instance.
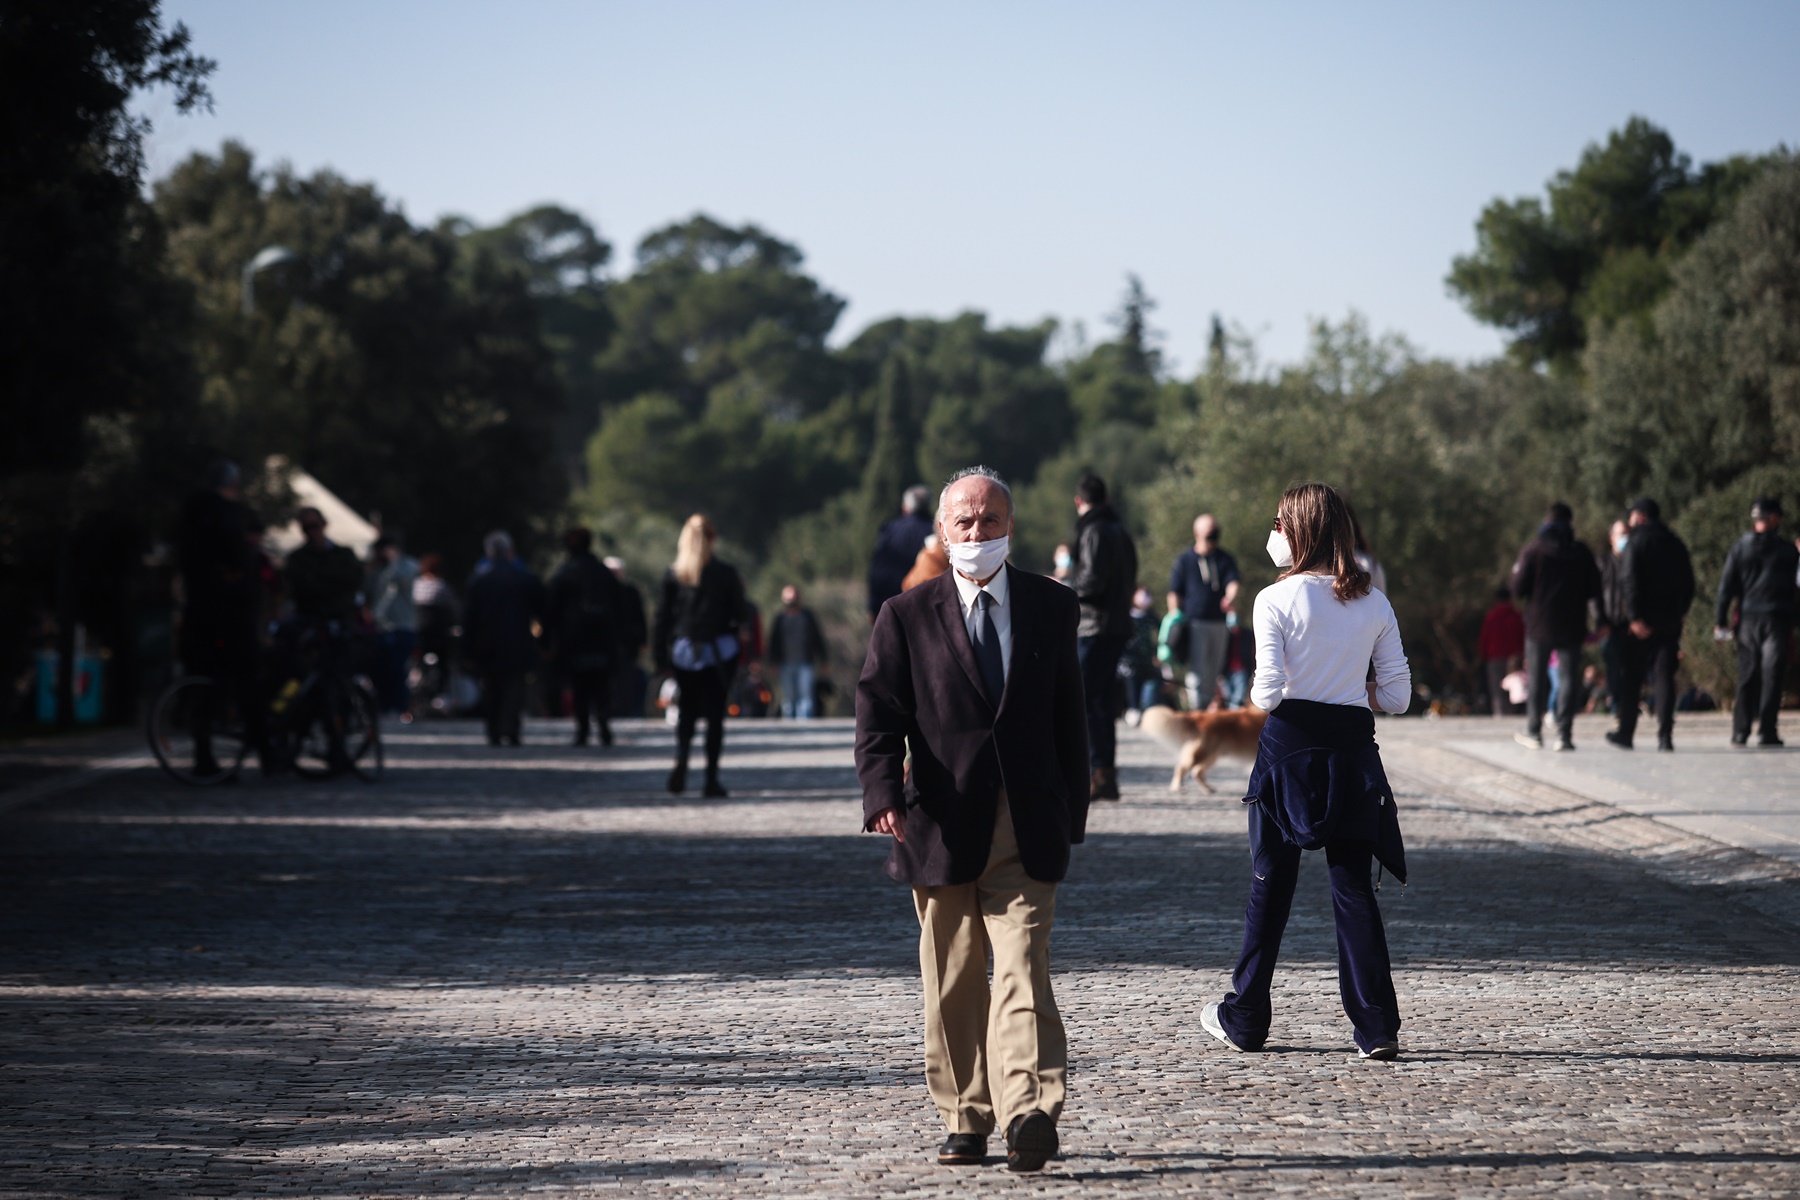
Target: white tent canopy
column 343, row 524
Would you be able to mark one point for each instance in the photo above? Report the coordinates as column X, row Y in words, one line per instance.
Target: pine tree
column 893, row 454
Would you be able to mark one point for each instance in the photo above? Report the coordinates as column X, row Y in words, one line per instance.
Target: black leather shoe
column 1104, row 785
column 1740, row 739
column 1615, row 738
column 1770, row 740
column 678, row 780
column 1030, row 1142
column 1665, row 743
column 714, row 790
column 963, row 1150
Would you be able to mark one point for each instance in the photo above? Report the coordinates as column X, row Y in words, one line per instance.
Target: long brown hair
column 693, row 549
column 1322, row 535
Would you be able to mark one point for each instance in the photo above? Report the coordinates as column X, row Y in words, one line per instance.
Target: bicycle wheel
column 362, row 733
column 196, row 732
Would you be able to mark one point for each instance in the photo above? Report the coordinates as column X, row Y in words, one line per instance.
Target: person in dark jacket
column 1557, row 578
column 221, row 602
column 1656, row 590
column 699, row 632
column 501, row 603
column 897, row 547
column 583, row 622
column 324, row 579
column 1104, row 576
column 971, row 737
column 629, row 681
column 1760, row 576
column 797, row 646
column 1614, row 625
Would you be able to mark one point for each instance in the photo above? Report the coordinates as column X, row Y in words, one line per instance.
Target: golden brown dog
column 1201, row 738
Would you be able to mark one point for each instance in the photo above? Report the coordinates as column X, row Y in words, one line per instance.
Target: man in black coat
column 1104, row 578
column 502, row 601
column 1556, row 576
column 897, row 547
column 1656, row 584
column 220, row 603
column 976, row 672
column 1760, row 575
column 584, row 623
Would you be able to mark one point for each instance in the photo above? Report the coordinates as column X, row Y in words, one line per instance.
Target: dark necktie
column 986, row 640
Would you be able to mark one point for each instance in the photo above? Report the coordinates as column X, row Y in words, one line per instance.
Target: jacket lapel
column 956, row 633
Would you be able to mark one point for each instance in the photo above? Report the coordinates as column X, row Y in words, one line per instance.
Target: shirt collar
column 967, row 590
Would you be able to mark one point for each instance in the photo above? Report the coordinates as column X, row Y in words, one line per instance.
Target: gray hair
column 915, row 498
column 498, row 544
column 987, row 473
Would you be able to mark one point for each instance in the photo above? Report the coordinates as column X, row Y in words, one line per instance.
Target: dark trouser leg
column 1246, row 1011
column 589, row 693
column 1537, row 668
column 1762, row 667
column 1365, row 977
column 493, row 684
column 1634, row 664
column 720, row 679
column 1663, row 654
column 691, row 683
column 1496, row 671
column 1099, row 681
column 1611, row 654
column 1568, row 690
column 512, row 708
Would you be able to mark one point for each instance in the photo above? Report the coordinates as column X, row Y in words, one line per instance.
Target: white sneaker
column 1209, row 1021
column 1529, row 742
column 1386, row 1052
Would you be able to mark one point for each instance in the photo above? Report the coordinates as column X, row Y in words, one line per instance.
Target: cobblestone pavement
column 511, row 972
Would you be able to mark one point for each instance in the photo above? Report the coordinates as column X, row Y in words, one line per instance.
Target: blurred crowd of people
column 1631, row 602
column 432, row 648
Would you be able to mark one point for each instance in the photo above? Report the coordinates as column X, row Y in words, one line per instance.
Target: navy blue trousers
column 1365, row 978
column 1100, row 681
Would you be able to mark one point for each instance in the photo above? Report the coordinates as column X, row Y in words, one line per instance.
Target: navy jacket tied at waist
column 1319, row 777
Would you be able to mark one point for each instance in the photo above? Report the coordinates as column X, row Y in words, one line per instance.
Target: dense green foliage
column 1600, row 251
column 403, row 365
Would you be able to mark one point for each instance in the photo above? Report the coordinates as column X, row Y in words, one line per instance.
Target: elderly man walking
column 976, row 673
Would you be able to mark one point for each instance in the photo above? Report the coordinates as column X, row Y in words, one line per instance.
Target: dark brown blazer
column 921, row 687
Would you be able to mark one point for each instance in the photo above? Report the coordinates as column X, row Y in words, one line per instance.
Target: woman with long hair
column 698, row 624
column 1318, row 781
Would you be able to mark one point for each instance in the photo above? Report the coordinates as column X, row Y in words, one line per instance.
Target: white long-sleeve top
column 1312, row 646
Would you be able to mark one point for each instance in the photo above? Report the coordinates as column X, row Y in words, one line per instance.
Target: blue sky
column 1273, row 163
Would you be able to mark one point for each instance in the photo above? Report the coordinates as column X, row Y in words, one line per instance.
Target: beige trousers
column 1000, row 1055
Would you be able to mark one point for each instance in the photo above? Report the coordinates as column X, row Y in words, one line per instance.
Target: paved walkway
column 510, row 972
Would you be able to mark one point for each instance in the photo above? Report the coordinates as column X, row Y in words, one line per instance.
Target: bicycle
column 197, row 731
column 329, row 721
column 319, row 725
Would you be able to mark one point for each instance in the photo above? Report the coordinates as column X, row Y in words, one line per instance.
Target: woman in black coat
column 697, row 638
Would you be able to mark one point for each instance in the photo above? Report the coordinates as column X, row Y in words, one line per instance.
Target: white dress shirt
column 999, row 610
column 1312, row 646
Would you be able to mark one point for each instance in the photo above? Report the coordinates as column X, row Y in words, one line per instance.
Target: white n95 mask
column 978, row 560
column 1280, row 550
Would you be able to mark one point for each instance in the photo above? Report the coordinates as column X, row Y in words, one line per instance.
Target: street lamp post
column 268, row 256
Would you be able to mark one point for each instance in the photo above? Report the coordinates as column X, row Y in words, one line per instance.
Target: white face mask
column 1279, row 550
column 1619, row 543
column 978, row 560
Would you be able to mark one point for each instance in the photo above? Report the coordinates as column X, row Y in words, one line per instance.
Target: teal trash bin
column 90, row 674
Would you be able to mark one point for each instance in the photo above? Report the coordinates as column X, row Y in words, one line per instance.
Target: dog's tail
column 1167, row 726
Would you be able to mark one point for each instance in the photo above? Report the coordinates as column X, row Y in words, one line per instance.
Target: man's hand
column 888, row 821
column 1639, row 629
